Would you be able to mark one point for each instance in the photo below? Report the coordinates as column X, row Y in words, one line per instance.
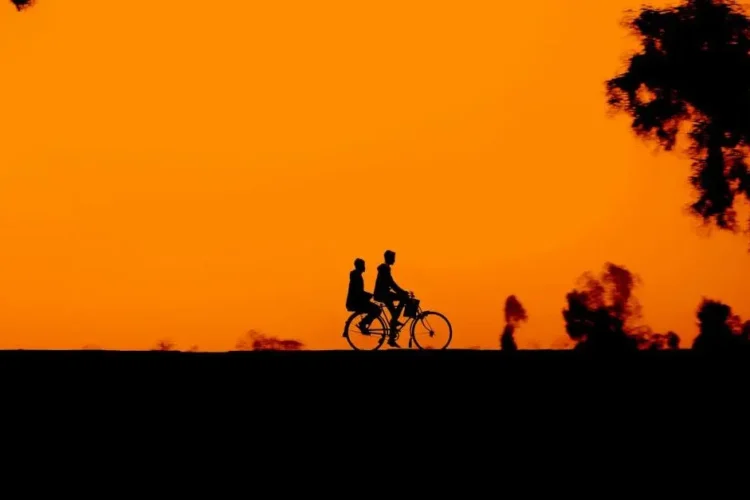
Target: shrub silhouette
column 603, row 315
column 693, row 69
column 719, row 328
column 515, row 314
column 164, row 345
column 745, row 333
column 256, row 341
column 658, row 341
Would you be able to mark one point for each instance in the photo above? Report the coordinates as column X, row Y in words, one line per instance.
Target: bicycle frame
column 385, row 313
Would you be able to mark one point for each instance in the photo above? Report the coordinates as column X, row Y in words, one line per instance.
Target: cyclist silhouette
column 358, row 300
column 388, row 292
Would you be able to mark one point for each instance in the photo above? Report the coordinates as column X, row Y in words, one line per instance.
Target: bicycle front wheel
column 431, row 330
column 360, row 341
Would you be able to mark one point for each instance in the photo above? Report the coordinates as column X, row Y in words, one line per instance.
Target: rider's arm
column 395, row 286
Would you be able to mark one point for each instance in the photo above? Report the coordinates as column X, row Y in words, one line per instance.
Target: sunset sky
column 192, row 170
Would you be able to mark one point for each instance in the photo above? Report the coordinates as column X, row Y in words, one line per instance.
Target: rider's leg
column 402, row 298
column 393, row 309
column 395, row 313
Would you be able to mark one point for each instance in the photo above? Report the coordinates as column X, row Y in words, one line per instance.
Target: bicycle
column 377, row 336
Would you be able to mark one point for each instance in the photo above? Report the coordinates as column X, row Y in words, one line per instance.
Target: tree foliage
column 693, row 72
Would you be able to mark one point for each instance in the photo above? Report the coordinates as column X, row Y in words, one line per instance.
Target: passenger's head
column 390, row 257
column 359, row 265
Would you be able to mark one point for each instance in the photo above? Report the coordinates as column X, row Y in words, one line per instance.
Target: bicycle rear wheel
column 359, row 341
column 431, row 330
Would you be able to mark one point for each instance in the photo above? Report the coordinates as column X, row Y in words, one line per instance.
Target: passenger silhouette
column 358, row 300
column 388, row 292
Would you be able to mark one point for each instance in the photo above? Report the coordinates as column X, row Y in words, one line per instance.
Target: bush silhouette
column 164, row 345
column 719, row 328
column 659, row 341
column 693, row 69
column 256, row 341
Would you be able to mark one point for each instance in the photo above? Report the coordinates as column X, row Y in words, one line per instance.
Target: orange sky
column 186, row 170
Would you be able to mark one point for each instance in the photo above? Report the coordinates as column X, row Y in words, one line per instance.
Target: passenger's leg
column 372, row 310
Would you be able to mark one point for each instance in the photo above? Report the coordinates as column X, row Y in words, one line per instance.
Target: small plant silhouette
column 165, row 345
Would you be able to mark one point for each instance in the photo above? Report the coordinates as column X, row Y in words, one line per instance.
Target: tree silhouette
column 256, row 341
column 719, row 328
column 515, row 314
column 23, row 4
column 604, row 314
column 693, row 70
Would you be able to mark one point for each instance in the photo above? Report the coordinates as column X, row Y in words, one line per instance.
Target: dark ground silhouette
column 310, row 393
column 694, row 69
column 431, row 376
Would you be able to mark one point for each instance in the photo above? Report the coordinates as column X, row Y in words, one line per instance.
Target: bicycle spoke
column 435, row 334
column 360, row 341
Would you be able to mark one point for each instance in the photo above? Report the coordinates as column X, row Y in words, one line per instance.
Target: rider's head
column 359, row 265
column 390, row 257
